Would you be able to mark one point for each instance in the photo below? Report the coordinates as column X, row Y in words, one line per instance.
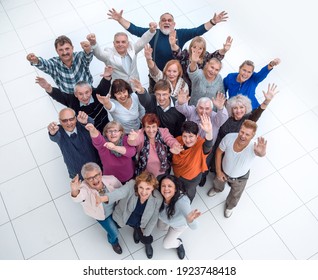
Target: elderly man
column 123, row 55
column 160, row 43
column 235, row 166
column 162, row 104
column 69, row 67
column 204, row 106
column 74, row 140
column 95, row 185
column 207, row 81
column 84, row 98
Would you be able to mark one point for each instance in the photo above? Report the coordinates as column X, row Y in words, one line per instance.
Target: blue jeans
column 111, row 228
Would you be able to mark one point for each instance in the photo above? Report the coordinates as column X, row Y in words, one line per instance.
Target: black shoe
column 117, row 248
column 136, row 236
column 202, row 182
column 180, row 251
column 149, row 251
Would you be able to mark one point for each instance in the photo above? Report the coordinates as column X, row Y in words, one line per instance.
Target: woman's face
column 113, row 134
column 151, row 130
column 245, row 73
column 122, row 96
column 197, row 47
column 238, row 111
column 168, row 189
column 94, row 179
column 144, row 190
column 172, row 73
column 189, row 139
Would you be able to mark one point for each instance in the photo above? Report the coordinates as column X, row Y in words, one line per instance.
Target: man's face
column 121, row 44
column 245, row 135
column 166, row 24
column 83, row 93
column 67, row 120
column 204, row 108
column 65, row 52
column 163, row 98
column 211, row 69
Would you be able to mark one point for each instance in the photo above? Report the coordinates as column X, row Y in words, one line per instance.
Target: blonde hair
column 198, row 40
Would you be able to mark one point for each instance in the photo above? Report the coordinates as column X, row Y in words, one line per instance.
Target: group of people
column 136, row 156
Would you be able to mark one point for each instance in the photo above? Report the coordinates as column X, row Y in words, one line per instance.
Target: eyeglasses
column 115, row 131
column 162, row 94
column 67, row 120
column 91, row 179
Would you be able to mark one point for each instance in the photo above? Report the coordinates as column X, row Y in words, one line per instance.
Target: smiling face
column 67, row 119
column 172, row 73
column 168, row 189
column 166, row 23
column 189, row 139
column 83, row 93
column 245, row 73
column 163, row 98
column 113, row 133
column 144, row 190
column 94, row 179
column 122, row 97
column 121, row 44
column 211, row 69
column 151, row 130
column 198, row 47
column 204, row 108
column 65, row 53
column 245, row 136
column 238, row 111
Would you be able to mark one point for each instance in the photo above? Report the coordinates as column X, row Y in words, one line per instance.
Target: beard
column 165, row 31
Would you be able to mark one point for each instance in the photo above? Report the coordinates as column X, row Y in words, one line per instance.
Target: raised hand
column 105, row 100
column 194, row 214
column 91, row 39
column 153, row 27
column 53, row 128
column 206, row 123
column 220, row 17
column 113, row 14
column 274, row 62
column 183, row 97
column 82, row 117
column 43, row 83
column 148, row 52
column 32, row 58
column 176, row 149
column 271, row 92
column 86, row 46
column 219, row 100
column 260, row 147
column 228, row 43
column 110, row 146
column 108, row 71
column 133, row 135
column 93, row 132
column 137, row 86
column 173, row 40
column 195, row 57
column 75, row 184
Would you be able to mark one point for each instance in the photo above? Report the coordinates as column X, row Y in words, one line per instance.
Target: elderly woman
column 175, row 214
column 115, row 153
column 138, row 207
column 172, row 72
column 123, row 105
column 246, row 80
column 240, row 109
column 153, row 145
column 87, row 193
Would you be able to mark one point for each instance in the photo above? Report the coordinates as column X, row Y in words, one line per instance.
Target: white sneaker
column 228, row 213
column 212, row 192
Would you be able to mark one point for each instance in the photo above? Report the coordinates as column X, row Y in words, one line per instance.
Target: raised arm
column 44, row 84
column 273, row 63
column 216, row 19
column 226, row 46
column 32, row 58
column 93, row 132
column 260, row 147
column 269, row 95
column 118, row 16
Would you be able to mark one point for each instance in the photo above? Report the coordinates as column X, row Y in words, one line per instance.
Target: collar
column 91, row 100
column 71, row 132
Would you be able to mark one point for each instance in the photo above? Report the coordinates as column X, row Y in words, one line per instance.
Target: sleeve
column 56, row 137
column 185, row 209
column 215, row 54
column 220, row 117
column 182, row 56
column 207, row 146
column 187, row 34
column 82, row 195
column 47, row 66
column 139, row 140
column 103, row 87
column 261, row 75
column 120, row 193
column 155, row 73
column 62, row 97
column 86, row 58
column 195, row 75
column 145, row 38
column 130, row 150
column 185, row 109
column 167, row 137
column 223, row 143
column 141, row 110
column 256, row 114
column 136, row 30
column 154, row 218
column 102, row 55
column 145, row 99
column 98, row 142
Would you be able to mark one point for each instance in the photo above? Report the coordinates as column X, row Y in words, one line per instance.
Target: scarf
column 162, row 150
column 120, row 143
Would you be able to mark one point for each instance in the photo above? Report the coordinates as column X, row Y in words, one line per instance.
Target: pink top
column 122, row 167
column 153, row 164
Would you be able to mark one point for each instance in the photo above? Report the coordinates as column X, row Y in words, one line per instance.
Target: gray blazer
column 127, row 203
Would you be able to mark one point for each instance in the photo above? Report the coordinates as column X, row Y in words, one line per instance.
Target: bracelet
column 212, row 22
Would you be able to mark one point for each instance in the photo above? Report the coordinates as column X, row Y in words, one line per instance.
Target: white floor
column 277, row 217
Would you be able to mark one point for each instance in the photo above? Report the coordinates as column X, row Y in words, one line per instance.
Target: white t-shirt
column 236, row 164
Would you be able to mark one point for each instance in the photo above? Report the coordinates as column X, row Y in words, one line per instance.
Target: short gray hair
column 239, row 99
column 90, row 166
column 82, row 84
column 204, row 100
